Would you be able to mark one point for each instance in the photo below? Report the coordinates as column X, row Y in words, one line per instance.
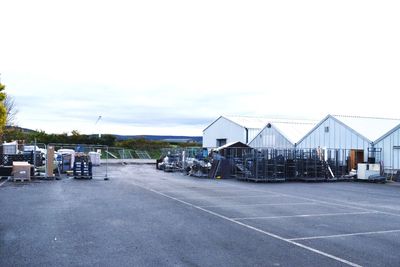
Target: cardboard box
column 21, row 170
column 50, row 162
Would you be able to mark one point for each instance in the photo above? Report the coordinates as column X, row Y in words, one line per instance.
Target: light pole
column 97, row 121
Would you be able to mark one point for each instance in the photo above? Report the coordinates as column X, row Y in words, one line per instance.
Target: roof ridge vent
column 365, row 117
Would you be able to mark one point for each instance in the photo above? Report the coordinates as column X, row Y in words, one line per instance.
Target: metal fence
column 294, row 164
column 81, row 160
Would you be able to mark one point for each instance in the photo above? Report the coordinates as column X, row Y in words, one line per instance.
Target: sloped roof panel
column 369, row 127
column 248, row 122
column 294, row 130
column 233, row 145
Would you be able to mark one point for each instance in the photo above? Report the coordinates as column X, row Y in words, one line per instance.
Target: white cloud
column 167, row 61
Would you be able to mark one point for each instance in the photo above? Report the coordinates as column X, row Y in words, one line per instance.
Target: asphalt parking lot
column 144, row 217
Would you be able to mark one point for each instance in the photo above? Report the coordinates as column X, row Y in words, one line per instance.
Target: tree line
column 9, row 132
column 41, row 137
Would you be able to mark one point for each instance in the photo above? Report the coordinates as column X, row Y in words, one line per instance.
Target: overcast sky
column 171, row 67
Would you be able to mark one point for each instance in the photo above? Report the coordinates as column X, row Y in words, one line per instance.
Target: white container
column 68, row 152
column 10, row 148
column 95, row 158
column 365, row 170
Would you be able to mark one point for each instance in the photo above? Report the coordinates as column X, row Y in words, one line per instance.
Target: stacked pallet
column 21, row 171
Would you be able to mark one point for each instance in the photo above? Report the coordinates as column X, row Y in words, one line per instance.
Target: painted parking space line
column 351, row 205
column 201, row 190
column 329, row 201
column 345, row 235
column 346, row 205
column 218, row 197
column 306, row 215
column 1, row 184
column 316, row 251
column 366, row 206
column 261, row 204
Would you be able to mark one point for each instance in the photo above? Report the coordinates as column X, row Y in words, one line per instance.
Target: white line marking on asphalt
column 3, row 182
column 255, row 229
column 349, row 205
column 208, row 197
column 328, row 201
column 358, row 206
column 261, row 204
column 306, row 215
column 344, row 204
column 196, row 190
column 344, row 235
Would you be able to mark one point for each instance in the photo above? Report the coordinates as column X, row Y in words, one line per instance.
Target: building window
column 327, row 129
column 221, row 142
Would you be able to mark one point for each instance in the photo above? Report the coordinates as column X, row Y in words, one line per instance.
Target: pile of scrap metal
column 188, row 160
column 170, row 163
column 199, row 168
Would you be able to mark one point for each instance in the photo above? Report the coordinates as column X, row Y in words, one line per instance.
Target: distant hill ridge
column 170, row 138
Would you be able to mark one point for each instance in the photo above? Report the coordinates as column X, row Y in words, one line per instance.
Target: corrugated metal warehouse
column 228, row 129
column 390, row 145
column 348, row 132
column 357, row 136
column 281, row 134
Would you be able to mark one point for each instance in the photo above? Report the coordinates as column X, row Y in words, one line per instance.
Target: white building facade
column 332, row 133
column 389, row 144
column 229, row 129
column 281, row 134
column 351, row 133
column 358, row 137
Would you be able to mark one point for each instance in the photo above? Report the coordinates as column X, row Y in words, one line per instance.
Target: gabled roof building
column 228, row 129
column 357, row 137
column 281, row 133
column 389, row 144
column 348, row 133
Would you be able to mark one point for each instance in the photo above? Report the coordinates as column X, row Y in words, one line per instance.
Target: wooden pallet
column 266, row 180
column 312, row 179
column 83, row 177
column 21, row 179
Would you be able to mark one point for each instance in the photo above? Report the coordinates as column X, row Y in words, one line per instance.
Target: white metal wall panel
column 338, row 137
column 223, row 129
column 396, row 158
column 270, row 137
column 332, row 137
column 390, row 150
column 252, row 133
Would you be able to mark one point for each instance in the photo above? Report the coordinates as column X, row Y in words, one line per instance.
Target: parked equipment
column 370, row 172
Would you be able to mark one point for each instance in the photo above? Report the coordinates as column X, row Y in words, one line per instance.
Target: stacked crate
column 82, row 167
column 21, row 171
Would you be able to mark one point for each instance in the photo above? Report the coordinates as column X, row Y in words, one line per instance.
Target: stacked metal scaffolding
column 277, row 165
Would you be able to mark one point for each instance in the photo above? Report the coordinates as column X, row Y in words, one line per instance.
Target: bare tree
column 12, row 111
